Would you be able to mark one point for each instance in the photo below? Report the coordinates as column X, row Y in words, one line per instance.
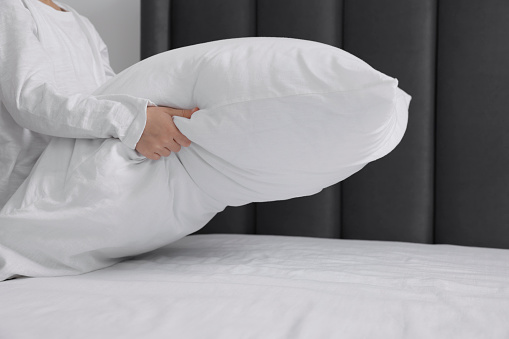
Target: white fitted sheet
column 254, row 286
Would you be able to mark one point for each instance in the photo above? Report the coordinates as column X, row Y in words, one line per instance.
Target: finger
column 154, row 156
column 187, row 113
column 147, row 154
column 184, row 113
column 181, row 139
column 175, row 112
column 173, row 146
column 164, row 152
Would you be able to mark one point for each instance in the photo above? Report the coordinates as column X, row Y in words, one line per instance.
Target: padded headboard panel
column 448, row 180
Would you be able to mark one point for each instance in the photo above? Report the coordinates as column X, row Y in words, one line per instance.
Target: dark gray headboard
column 448, row 180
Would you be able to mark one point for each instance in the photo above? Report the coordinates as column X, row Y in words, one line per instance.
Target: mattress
column 258, row 286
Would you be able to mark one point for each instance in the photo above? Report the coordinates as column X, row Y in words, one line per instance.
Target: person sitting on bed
column 51, row 60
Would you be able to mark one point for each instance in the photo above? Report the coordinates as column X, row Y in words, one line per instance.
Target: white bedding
column 279, row 118
column 253, row 286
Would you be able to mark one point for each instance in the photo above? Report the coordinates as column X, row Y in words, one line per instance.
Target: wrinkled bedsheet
column 254, row 286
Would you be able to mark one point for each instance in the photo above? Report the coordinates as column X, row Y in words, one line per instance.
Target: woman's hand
column 160, row 136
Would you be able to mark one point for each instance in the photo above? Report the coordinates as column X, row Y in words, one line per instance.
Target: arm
column 29, row 92
column 160, row 136
column 101, row 47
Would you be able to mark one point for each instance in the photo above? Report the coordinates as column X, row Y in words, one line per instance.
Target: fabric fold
column 277, row 125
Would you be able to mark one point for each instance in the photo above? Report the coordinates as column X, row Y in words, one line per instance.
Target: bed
column 415, row 245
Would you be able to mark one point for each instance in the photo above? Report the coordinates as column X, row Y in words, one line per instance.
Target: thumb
column 187, row 113
column 184, row 113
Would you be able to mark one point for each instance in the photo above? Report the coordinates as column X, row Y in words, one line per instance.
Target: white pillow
column 279, row 118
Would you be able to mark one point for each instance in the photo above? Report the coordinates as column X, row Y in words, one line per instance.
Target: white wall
column 118, row 23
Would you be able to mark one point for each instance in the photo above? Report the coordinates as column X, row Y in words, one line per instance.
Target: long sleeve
column 29, row 91
column 103, row 49
column 109, row 72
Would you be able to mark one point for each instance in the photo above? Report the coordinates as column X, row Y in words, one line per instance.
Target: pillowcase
column 279, row 118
